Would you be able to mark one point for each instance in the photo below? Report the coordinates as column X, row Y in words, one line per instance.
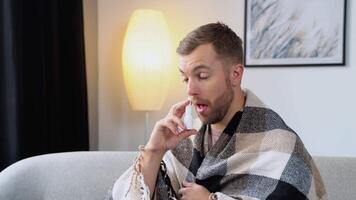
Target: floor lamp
column 146, row 58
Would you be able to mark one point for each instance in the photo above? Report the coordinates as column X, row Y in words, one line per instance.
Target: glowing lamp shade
column 146, row 59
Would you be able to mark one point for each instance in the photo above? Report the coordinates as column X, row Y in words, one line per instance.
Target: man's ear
column 236, row 73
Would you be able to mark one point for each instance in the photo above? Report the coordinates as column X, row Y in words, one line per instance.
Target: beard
column 219, row 107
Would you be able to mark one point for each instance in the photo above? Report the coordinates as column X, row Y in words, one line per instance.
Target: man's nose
column 192, row 88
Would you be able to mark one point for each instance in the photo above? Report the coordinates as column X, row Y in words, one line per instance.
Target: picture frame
column 294, row 33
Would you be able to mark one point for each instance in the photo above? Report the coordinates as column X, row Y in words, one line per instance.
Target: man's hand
column 165, row 135
column 193, row 191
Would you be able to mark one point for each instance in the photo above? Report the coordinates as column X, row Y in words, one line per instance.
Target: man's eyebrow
column 200, row 67
column 195, row 68
column 180, row 70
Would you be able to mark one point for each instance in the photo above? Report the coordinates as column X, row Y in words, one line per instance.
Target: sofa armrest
column 72, row 175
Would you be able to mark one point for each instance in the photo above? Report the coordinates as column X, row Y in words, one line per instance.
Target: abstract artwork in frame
column 294, row 32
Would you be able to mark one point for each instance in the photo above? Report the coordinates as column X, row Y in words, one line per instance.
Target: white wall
column 315, row 101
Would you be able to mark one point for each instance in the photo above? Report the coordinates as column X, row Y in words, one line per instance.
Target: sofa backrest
column 339, row 176
column 89, row 175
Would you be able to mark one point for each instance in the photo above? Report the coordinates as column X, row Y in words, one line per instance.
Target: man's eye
column 203, row 76
column 185, row 80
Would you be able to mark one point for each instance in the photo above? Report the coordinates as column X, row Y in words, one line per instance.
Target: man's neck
column 236, row 105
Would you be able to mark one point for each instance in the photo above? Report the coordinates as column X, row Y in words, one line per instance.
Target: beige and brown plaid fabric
column 257, row 157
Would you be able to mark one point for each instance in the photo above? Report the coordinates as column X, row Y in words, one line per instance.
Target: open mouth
column 201, row 107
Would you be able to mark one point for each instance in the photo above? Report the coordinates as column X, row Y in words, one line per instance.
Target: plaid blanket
column 257, row 157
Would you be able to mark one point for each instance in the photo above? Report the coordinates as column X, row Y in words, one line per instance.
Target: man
column 244, row 150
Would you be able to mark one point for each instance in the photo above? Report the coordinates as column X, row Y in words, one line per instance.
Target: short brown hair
column 224, row 40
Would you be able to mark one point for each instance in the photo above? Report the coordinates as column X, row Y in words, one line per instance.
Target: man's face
column 208, row 83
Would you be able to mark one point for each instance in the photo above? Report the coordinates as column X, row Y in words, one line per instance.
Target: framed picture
column 294, row 32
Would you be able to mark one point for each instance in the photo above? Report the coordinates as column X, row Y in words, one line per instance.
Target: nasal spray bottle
column 188, row 116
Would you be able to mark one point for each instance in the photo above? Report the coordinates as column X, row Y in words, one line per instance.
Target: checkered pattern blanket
column 257, row 157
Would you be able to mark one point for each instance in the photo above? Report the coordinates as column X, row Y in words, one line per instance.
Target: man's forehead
column 186, row 62
column 203, row 55
column 192, row 65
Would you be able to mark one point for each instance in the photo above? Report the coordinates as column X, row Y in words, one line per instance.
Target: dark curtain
column 43, row 98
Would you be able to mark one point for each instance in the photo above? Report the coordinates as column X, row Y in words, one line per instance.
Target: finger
column 179, row 108
column 187, row 133
column 182, row 191
column 172, row 126
column 187, row 184
column 179, row 122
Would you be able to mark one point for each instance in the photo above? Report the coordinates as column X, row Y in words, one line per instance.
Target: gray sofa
column 89, row 175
